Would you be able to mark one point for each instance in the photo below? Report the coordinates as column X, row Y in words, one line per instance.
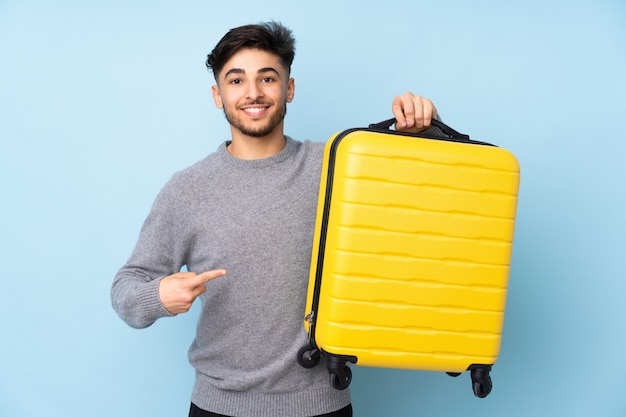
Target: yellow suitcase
column 411, row 254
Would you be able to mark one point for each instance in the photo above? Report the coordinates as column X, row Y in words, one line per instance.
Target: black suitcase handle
column 386, row 124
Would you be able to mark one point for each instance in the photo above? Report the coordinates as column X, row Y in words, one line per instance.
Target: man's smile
column 256, row 110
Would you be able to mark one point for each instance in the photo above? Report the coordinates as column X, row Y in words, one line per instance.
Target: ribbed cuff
column 149, row 302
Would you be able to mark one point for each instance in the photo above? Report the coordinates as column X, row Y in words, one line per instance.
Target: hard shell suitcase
column 411, row 254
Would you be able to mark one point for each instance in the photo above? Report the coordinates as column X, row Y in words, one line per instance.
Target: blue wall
column 100, row 102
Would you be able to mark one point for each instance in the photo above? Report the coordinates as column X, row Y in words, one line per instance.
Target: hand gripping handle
column 386, row 124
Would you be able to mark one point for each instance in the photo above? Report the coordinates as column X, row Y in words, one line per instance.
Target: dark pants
column 194, row 411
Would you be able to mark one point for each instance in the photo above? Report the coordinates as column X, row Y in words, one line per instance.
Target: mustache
column 256, row 103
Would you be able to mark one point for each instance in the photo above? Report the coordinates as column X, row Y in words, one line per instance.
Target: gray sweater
column 256, row 220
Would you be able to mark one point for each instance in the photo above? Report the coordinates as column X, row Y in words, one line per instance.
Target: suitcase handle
column 386, row 124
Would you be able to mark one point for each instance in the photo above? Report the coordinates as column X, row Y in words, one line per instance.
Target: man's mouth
column 255, row 108
column 255, row 111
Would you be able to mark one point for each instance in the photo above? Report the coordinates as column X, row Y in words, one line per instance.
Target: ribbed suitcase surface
column 411, row 255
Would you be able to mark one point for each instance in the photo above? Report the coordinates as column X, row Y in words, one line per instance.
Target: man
column 242, row 221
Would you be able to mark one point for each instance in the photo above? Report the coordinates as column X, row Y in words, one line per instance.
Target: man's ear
column 291, row 89
column 217, row 98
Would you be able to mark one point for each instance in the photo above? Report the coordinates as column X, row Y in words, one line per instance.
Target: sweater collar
column 288, row 151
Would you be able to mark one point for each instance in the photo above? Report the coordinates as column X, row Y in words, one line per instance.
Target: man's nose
column 254, row 91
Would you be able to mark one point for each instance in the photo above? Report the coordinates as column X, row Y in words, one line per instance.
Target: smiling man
column 241, row 221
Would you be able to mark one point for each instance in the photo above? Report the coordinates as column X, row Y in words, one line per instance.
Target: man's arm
column 150, row 285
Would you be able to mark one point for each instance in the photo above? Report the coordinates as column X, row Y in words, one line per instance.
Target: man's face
column 254, row 88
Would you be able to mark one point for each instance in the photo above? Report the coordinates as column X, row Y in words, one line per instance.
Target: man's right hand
column 178, row 291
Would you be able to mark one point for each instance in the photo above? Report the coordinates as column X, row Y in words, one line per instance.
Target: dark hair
column 270, row 36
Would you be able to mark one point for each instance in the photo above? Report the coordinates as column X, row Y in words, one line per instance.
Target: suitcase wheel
column 308, row 357
column 454, row 374
column 341, row 380
column 340, row 372
column 481, row 382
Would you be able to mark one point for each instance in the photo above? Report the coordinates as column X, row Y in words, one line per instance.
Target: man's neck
column 248, row 147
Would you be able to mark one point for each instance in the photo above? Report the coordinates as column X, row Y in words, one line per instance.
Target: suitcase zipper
column 311, row 317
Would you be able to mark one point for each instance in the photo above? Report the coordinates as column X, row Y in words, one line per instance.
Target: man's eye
column 268, row 80
column 235, row 81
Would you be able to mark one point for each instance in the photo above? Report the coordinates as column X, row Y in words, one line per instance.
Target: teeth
column 254, row 109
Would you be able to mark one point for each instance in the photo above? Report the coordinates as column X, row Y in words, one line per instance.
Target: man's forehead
column 253, row 61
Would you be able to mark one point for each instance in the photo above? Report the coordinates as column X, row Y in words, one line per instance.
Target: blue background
column 100, row 102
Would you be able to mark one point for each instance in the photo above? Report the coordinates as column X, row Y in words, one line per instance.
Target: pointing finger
column 209, row 275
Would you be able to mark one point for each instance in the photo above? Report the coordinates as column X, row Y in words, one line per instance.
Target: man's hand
column 178, row 291
column 413, row 113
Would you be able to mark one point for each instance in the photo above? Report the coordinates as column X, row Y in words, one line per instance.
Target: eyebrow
column 260, row 71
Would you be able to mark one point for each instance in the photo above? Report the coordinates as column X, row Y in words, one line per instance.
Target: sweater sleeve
column 157, row 254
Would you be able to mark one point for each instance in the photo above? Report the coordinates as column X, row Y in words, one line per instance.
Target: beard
column 258, row 130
